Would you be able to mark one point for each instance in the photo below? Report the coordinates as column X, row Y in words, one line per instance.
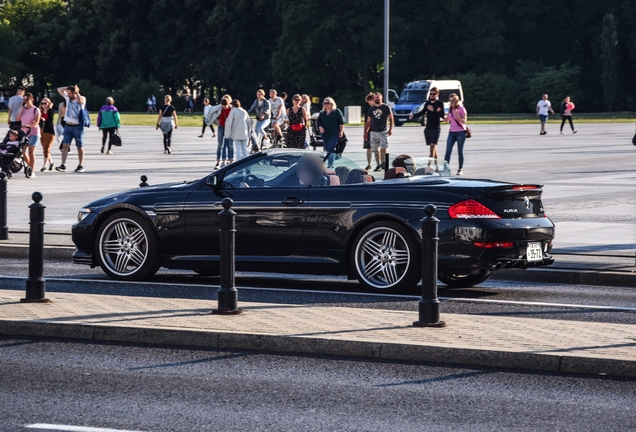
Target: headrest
column 333, row 180
column 330, row 171
column 395, row 172
column 356, row 176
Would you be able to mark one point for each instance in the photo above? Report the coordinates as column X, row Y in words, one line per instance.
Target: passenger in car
column 405, row 161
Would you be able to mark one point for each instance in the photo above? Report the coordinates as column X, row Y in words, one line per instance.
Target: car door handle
column 292, row 201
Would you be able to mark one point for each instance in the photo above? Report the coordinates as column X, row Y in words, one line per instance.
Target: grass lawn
column 196, row 119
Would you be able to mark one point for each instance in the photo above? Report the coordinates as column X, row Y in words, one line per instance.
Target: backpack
column 85, row 118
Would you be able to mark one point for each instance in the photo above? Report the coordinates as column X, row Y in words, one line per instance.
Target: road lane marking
column 69, row 428
column 402, row 296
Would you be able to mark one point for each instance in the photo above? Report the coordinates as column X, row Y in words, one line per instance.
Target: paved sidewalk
column 493, row 341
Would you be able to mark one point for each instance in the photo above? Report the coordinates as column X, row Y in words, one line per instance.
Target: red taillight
column 471, row 209
column 495, row 245
column 525, row 187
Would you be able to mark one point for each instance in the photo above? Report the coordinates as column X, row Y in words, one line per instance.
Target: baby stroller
column 315, row 137
column 11, row 156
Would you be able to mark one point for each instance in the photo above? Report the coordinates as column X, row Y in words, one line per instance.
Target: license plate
column 534, row 252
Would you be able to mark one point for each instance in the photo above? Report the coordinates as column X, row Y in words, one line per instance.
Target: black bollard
column 429, row 303
column 228, row 294
column 143, row 183
column 35, row 284
column 4, row 229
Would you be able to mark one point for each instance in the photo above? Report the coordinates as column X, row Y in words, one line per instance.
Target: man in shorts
column 366, row 144
column 433, row 109
column 14, row 106
column 74, row 128
column 543, row 107
column 375, row 128
column 278, row 111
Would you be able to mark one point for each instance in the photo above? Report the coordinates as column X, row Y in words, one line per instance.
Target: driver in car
column 310, row 170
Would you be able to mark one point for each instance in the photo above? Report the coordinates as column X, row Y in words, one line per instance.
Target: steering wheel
column 252, row 180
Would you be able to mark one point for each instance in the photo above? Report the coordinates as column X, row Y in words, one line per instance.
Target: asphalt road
column 589, row 178
column 496, row 297
column 168, row 389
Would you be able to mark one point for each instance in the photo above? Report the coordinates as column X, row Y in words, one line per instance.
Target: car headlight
column 83, row 212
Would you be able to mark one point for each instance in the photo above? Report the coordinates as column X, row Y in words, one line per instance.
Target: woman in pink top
column 457, row 117
column 29, row 115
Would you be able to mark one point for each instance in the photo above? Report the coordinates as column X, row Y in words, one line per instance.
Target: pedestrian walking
column 108, row 122
column 48, row 132
column 366, row 143
column 13, row 108
column 375, row 129
column 237, row 129
column 278, row 112
column 149, row 104
column 262, row 110
column 74, row 129
column 59, row 126
column 566, row 113
column 433, row 109
column 543, row 108
column 207, row 108
column 29, row 118
column 3, row 102
column 305, row 103
column 166, row 121
column 297, row 121
column 457, row 116
column 154, row 103
column 224, row 149
column 331, row 127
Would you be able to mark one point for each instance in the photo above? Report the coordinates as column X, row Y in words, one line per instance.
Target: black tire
column 28, row 172
column 385, row 257
column 399, row 123
column 465, row 281
column 126, row 247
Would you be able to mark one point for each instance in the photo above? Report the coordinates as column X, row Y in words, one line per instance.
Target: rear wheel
column 127, row 248
column 28, row 172
column 465, row 281
column 386, row 258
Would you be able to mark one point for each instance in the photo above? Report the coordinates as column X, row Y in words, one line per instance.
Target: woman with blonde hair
column 457, row 116
column 331, row 127
column 166, row 121
column 48, row 131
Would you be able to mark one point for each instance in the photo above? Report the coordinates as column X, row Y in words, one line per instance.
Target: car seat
column 395, row 172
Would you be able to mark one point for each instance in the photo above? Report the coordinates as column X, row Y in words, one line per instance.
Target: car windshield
column 281, row 169
column 412, row 96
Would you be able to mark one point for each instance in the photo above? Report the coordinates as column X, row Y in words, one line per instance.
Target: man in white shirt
column 74, row 128
column 278, row 111
column 543, row 107
column 14, row 107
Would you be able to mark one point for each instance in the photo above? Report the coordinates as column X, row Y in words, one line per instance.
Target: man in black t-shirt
column 375, row 128
column 433, row 109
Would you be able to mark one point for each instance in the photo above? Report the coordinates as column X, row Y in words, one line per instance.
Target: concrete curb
column 57, row 253
column 530, row 361
column 569, row 276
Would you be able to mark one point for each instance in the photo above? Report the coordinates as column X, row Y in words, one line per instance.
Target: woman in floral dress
column 297, row 121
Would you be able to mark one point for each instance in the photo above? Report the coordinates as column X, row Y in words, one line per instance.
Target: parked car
column 347, row 221
column 416, row 93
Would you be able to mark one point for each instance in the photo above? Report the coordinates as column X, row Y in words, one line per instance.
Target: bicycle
column 271, row 140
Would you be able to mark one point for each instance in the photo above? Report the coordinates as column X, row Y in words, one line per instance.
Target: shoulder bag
column 115, row 139
column 469, row 133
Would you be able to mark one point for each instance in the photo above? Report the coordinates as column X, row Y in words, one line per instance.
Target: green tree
column 609, row 56
column 10, row 67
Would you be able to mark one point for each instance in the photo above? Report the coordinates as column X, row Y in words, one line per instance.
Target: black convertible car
column 294, row 215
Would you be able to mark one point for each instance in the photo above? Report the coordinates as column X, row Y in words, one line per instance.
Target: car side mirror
column 212, row 181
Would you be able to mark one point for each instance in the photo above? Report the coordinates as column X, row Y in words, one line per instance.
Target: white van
column 416, row 93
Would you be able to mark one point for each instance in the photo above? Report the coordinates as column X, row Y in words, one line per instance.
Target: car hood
column 134, row 194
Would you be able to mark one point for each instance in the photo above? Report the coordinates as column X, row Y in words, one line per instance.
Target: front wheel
column 386, row 258
column 127, row 247
column 465, row 281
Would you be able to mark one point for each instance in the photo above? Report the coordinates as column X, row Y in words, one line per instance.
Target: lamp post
column 386, row 51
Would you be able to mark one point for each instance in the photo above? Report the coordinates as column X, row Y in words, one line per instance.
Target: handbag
column 296, row 127
column 342, row 143
column 469, row 133
column 115, row 139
